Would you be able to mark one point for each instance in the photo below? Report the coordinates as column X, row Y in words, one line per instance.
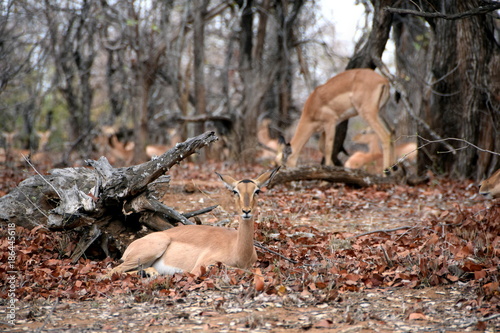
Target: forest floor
column 386, row 258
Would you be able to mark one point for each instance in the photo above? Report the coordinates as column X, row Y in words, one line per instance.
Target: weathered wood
column 89, row 236
column 331, row 174
column 144, row 203
column 199, row 211
column 74, row 197
column 51, row 200
column 157, row 221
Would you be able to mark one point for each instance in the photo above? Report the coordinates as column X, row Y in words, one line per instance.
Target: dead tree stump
column 113, row 204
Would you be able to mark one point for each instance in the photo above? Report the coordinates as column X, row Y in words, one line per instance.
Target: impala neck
column 244, row 242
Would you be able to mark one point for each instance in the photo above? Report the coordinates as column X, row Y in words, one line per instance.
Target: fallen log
column 102, row 201
column 333, row 174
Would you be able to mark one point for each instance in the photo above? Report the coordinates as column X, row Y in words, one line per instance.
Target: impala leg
column 303, row 132
column 321, row 144
column 143, row 252
column 384, row 134
column 328, row 138
column 149, row 272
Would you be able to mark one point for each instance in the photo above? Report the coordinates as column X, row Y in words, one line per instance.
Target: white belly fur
column 165, row 269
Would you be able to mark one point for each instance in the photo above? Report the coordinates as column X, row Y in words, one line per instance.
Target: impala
column 189, row 247
column 491, row 186
column 373, row 158
column 10, row 152
column 270, row 145
column 174, row 136
column 353, row 92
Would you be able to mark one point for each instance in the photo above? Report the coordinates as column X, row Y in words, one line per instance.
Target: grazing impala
column 372, row 160
column 491, row 186
column 353, row 92
column 188, row 247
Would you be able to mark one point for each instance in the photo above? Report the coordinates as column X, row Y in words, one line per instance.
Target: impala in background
column 354, row 92
column 491, row 186
column 372, row 160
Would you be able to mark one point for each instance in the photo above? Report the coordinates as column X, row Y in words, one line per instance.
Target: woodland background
column 145, row 67
column 386, row 256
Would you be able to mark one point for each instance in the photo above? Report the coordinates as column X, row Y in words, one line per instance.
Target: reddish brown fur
column 372, row 160
column 491, row 186
column 354, row 92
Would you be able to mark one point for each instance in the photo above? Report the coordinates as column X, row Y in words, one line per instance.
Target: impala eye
column 257, row 191
column 235, row 192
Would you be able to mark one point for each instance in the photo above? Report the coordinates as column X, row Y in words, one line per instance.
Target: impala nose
column 246, row 214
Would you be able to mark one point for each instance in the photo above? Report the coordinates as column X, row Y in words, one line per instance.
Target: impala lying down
column 188, row 247
column 491, row 186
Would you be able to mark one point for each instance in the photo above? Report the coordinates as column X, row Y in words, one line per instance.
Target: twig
column 381, row 230
column 386, row 256
column 199, row 211
column 497, row 315
column 33, row 167
column 404, row 97
column 39, row 329
column 474, row 322
column 428, row 142
column 260, row 246
column 476, row 11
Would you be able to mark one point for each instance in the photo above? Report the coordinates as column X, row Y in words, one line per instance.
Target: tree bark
column 464, row 102
column 199, row 62
column 334, row 174
column 73, row 48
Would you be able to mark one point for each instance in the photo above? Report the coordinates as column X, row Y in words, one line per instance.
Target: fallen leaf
column 324, row 323
column 479, row 274
column 258, row 280
column 491, row 288
column 417, row 316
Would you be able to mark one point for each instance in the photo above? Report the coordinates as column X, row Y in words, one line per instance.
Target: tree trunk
column 285, row 44
column 464, row 101
column 73, row 48
column 141, row 118
column 199, row 62
column 245, row 130
column 374, row 46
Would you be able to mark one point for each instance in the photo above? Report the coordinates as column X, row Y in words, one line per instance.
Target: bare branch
column 262, row 247
column 428, row 142
column 385, row 231
column 404, row 97
column 476, row 11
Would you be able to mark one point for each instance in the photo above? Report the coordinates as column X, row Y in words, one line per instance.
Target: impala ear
column 264, row 179
column 229, row 181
